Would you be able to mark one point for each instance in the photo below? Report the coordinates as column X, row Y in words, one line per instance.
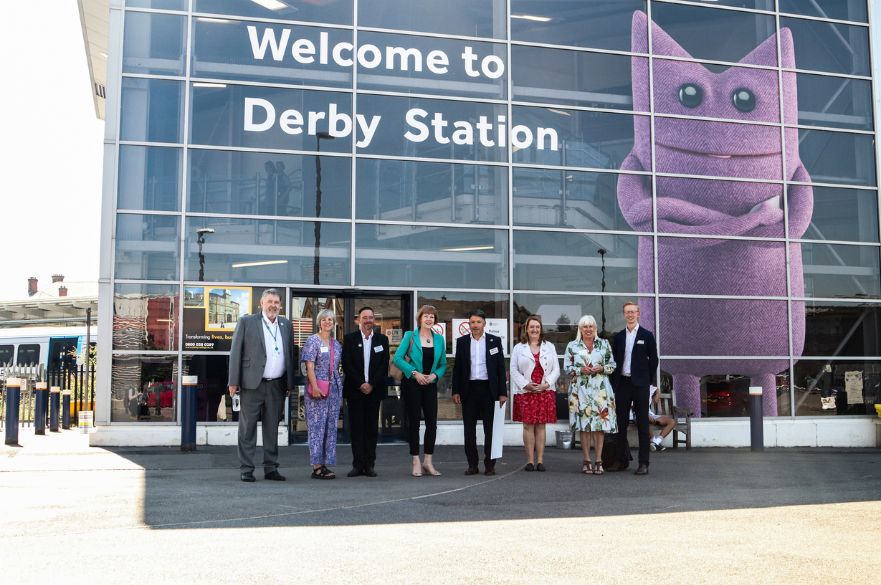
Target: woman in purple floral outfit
column 322, row 412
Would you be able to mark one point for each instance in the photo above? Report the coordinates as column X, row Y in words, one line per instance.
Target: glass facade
column 524, row 157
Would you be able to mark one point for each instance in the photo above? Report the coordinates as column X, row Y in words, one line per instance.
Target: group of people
column 263, row 362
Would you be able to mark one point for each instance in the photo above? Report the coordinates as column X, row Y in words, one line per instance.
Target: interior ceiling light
column 530, row 17
column 271, row 4
column 469, row 249
column 258, row 263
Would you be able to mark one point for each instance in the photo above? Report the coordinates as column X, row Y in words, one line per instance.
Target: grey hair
column 585, row 320
column 321, row 315
column 270, row 291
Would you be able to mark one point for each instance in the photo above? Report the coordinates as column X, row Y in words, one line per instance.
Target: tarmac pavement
column 157, row 515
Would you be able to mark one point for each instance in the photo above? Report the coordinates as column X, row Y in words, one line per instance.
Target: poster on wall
column 211, row 314
column 494, row 326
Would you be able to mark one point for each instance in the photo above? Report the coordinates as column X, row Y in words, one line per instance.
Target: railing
column 80, row 380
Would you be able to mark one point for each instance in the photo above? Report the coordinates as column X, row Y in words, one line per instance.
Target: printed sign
column 494, row 326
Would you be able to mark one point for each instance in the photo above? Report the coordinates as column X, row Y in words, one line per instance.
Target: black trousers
column 625, row 395
column 363, row 431
column 478, row 403
column 420, row 401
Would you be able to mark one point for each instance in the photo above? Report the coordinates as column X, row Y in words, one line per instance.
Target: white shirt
column 274, row 348
column 628, row 348
column 478, row 358
column 365, row 343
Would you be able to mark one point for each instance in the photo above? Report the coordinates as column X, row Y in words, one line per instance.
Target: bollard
column 13, row 403
column 188, row 413
column 40, row 391
column 756, row 429
column 65, row 409
column 54, row 399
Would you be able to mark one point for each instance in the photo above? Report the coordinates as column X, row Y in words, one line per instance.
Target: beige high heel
column 431, row 471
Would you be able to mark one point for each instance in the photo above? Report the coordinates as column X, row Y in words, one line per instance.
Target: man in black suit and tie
column 365, row 365
column 262, row 359
column 478, row 381
column 636, row 354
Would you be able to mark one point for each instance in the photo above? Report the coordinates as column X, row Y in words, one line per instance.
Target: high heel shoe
column 431, row 471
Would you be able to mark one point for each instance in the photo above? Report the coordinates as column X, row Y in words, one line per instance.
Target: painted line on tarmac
column 333, row 508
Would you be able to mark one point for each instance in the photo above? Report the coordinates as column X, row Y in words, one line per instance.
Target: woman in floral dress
column 322, row 412
column 589, row 362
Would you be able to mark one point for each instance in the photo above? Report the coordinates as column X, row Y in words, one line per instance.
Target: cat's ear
column 766, row 53
column 662, row 43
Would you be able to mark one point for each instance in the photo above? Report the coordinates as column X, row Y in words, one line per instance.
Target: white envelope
column 498, row 430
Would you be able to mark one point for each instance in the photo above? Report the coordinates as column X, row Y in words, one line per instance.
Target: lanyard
column 274, row 333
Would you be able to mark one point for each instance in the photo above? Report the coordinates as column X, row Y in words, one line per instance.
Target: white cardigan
column 522, row 364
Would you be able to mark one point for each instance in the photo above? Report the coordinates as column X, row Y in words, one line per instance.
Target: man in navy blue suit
column 478, row 381
column 636, row 354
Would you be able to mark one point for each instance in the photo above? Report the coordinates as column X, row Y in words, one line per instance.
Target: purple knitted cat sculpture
column 718, row 328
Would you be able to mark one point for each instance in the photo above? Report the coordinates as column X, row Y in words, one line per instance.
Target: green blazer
column 438, row 368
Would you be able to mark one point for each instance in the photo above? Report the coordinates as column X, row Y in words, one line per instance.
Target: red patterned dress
column 536, row 407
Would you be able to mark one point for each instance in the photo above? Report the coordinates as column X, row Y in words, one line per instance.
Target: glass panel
column 434, row 192
column 470, row 18
column 431, row 65
column 578, row 262
column 827, row 387
column 837, row 9
column 145, row 316
column 158, row 4
column 147, row 246
column 435, row 128
column 574, row 138
column 704, row 266
column 711, row 207
column 837, row 157
column 457, row 305
column 575, row 78
column 270, row 117
column 149, row 178
column 826, row 46
column 329, row 11
column 751, row 4
column 578, row 199
column 399, row 255
column 243, row 250
column 143, row 388
column 714, row 149
column 720, row 388
column 713, row 34
column 154, row 43
column 714, row 91
column 735, row 328
column 28, row 354
column 600, row 24
column 151, row 110
column 213, row 373
column 842, row 329
column 560, row 315
column 838, row 214
column 253, row 183
column 841, row 271
column 264, row 52
column 6, row 353
column 838, row 102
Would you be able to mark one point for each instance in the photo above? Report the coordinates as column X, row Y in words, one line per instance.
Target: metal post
column 188, row 413
column 13, row 402
column 54, row 399
column 756, row 428
column 41, row 391
column 65, row 409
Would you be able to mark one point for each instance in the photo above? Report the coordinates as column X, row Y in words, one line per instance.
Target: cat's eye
column 690, row 95
column 744, row 100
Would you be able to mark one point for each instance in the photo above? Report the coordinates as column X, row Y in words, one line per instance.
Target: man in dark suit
column 365, row 365
column 636, row 354
column 478, row 381
column 262, row 360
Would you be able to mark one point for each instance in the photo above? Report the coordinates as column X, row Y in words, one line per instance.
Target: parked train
column 53, row 347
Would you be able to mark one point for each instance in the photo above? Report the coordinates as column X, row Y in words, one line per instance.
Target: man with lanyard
column 261, row 369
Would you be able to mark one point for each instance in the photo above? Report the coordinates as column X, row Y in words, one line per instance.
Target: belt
column 272, row 379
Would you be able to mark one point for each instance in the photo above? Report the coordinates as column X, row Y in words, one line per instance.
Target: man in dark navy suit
column 636, row 354
column 478, row 381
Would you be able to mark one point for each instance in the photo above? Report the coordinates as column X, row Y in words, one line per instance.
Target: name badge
column 494, row 351
column 325, row 349
column 377, row 349
column 640, row 341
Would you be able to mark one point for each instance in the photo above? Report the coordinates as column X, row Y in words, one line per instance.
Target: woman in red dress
column 534, row 374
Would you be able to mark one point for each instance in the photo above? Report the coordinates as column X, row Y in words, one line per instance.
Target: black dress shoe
column 472, row 471
column 354, row 472
column 248, row 476
column 274, row 476
column 369, row 472
column 490, row 471
column 641, row 470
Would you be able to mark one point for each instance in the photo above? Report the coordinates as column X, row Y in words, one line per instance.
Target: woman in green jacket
column 422, row 357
